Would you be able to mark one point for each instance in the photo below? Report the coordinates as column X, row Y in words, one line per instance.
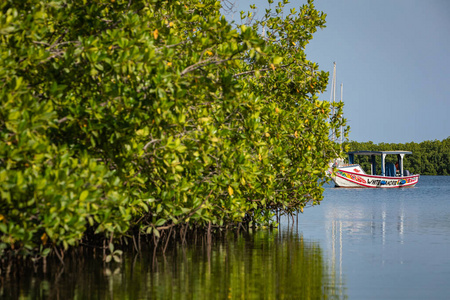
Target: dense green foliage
column 120, row 116
column 428, row 157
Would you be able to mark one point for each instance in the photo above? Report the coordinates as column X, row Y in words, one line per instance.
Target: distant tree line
column 428, row 157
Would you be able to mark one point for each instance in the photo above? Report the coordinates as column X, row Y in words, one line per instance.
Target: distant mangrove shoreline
column 428, row 157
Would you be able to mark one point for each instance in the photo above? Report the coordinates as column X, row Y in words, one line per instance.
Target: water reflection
column 360, row 217
column 256, row 265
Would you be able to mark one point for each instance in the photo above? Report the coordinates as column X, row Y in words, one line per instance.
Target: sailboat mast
column 333, row 97
column 342, row 99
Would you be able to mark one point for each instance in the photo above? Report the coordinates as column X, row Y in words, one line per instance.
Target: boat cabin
column 386, row 169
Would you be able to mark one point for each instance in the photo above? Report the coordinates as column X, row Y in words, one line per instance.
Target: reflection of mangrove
column 79, row 277
column 259, row 265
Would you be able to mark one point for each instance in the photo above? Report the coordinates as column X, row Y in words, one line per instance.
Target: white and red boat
column 351, row 175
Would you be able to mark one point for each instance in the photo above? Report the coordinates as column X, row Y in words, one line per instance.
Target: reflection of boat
column 352, row 175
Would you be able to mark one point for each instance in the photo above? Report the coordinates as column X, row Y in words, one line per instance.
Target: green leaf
column 160, row 222
column 84, row 195
column 45, row 252
column 277, row 60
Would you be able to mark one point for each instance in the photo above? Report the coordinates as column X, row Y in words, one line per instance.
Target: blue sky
column 393, row 57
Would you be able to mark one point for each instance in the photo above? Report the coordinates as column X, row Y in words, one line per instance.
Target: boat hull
column 348, row 179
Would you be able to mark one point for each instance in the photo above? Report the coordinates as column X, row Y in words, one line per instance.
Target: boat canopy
column 385, row 170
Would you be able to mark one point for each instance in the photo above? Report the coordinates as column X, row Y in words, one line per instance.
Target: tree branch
column 200, row 64
column 260, row 70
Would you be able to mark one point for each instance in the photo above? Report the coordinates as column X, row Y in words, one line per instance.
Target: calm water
column 386, row 243
column 358, row 244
